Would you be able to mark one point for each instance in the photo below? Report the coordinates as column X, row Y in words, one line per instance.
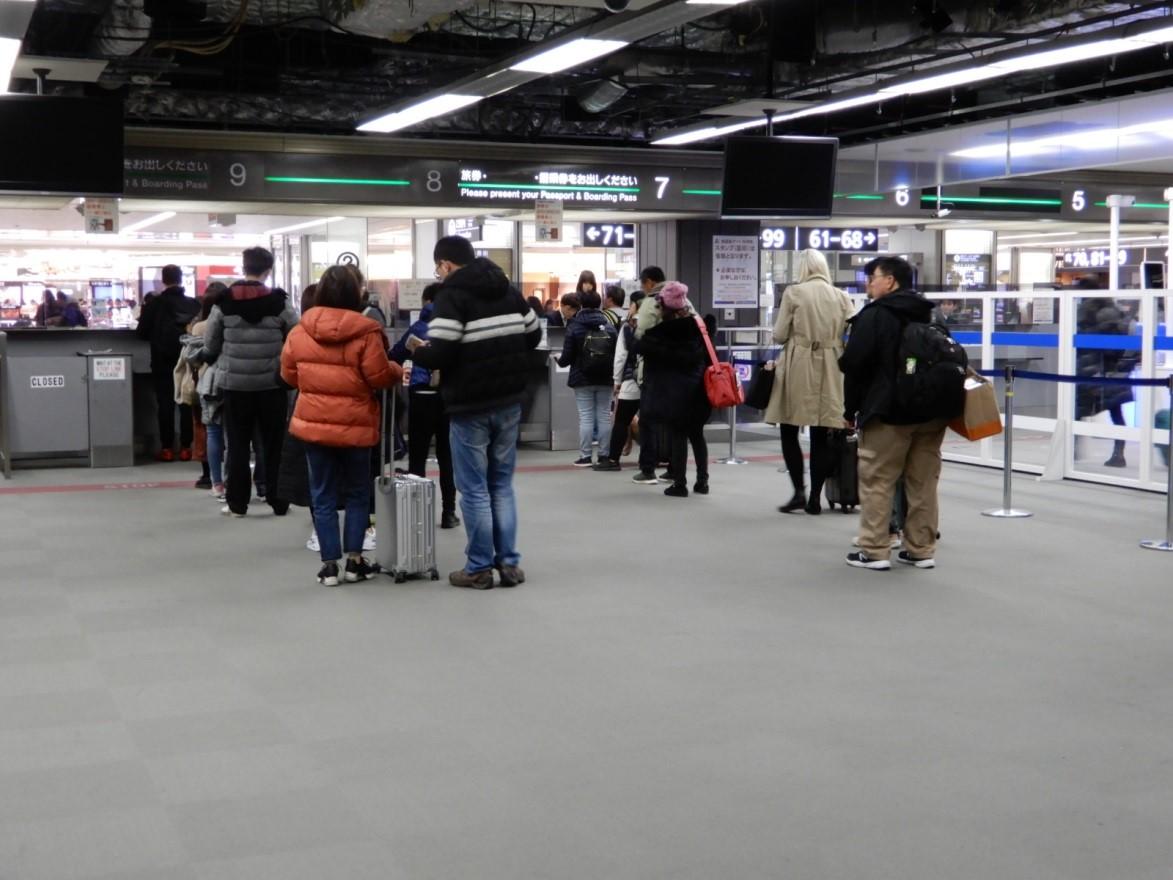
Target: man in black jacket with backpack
column 893, row 438
column 164, row 320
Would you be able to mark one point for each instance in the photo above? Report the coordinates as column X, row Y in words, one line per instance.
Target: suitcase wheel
column 435, row 575
column 401, row 577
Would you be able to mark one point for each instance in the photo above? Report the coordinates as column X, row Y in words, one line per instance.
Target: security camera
column 919, row 227
column 616, row 5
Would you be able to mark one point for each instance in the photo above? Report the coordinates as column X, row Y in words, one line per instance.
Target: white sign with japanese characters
column 547, row 220
column 735, row 271
column 101, row 216
column 110, row 369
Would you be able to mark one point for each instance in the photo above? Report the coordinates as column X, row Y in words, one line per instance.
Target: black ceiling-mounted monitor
column 61, row 145
column 778, row 177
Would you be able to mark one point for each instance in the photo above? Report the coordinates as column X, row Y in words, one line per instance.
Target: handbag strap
column 708, row 342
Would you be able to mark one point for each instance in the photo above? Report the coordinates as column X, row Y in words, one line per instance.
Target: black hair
column 339, row 288
column 653, row 274
column 535, row 304
column 456, row 249
column 1087, row 282
column 590, row 299
column 615, row 294
column 214, row 293
column 309, row 297
column 171, row 275
column 257, row 261
column 637, row 296
column 429, row 292
column 572, row 300
column 897, row 267
column 586, row 276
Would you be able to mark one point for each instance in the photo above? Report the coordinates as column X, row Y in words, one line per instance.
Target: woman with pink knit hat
column 673, row 392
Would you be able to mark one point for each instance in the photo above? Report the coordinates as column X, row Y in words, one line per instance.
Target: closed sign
column 46, row 381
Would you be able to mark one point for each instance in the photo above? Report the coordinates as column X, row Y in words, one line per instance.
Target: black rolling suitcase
column 842, row 484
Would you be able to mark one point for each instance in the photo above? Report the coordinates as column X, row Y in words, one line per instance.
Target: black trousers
column 679, row 440
column 163, row 379
column 792, row 454
column 245, row 411
column 625, row 411
column 426, row 418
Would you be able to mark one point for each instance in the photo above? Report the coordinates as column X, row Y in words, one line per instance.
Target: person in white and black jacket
column 480, row 338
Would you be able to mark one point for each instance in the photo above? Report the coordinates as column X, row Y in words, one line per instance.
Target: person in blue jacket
column 426, row 415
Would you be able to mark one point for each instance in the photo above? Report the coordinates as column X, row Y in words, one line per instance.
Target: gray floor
column 689, row 688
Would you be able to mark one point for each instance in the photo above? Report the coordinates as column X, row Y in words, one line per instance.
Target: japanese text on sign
column 735, row 271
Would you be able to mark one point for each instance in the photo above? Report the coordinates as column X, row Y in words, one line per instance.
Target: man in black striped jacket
column 479, row 339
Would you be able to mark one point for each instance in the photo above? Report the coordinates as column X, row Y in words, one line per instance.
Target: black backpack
column 930, row 374
column 597, row 358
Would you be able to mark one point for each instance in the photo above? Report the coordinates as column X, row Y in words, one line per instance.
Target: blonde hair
column 812, row 265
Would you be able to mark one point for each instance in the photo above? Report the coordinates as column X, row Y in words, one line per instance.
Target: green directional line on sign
column 990, row 200
column 341, row 181
column 701, row 192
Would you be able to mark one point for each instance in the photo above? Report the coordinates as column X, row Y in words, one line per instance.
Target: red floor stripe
column 187, row 484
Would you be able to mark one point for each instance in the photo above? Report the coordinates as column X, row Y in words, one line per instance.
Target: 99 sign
column 775, row 238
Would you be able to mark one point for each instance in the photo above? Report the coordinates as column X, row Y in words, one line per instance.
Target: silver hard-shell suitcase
column 405, row 517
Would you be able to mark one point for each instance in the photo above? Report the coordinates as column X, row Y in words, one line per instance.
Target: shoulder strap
column 708, row 342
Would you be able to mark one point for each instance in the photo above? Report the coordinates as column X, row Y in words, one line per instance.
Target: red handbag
column 721, row 384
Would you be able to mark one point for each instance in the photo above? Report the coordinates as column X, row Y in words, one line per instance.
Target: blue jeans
column 594, row 418
column 484, row 452
column 216, row 453
column 350, row 467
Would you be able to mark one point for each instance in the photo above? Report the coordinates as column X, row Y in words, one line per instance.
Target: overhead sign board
column 792, row 238
column 608, row 235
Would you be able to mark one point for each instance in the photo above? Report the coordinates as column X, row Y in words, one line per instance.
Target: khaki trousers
column 885, row 453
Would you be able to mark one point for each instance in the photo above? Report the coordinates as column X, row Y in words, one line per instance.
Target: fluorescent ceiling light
column 1097, row 139
column 704, row 134
column 568, row 55
column 9, row 49
column 712, row 2
column 1056, row 57
column 150, row 221
column 437, row 106
column 309, row 224
column 846, row 103
column 942, row 81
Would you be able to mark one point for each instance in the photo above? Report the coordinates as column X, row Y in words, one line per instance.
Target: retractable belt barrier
column 1010, row 374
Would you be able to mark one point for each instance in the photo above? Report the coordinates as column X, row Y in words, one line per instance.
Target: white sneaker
column 227, row 511
column 312, row 542
column 368, row 540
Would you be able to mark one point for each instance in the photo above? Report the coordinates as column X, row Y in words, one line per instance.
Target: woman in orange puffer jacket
column 336, row 358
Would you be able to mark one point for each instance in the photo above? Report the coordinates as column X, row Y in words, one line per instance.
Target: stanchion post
column 732, row 457
column 1167, row 544
column 1007, row 511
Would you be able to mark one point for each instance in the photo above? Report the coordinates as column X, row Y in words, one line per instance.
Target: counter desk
column 74, row 396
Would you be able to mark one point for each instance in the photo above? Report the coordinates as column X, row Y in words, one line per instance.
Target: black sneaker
column 917, row 562
column 607, row 464
column 645, row 479
column 203, row 483
column 675, row 491
column 328, row 576
column 859, row 559
column 701, row 487
column 666, row 477
column 449, row 520
column 585, row 461
column 360, row 570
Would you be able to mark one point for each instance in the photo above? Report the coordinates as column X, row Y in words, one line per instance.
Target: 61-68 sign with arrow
column 610, row 235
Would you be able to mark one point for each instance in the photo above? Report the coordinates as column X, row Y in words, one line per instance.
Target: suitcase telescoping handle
column 386, row 478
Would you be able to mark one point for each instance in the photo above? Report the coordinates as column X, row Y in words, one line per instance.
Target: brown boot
column 474, row 580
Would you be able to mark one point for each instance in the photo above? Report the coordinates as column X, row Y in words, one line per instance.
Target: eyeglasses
column 877, row 275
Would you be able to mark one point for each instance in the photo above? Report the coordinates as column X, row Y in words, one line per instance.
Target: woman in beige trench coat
column 808, row 386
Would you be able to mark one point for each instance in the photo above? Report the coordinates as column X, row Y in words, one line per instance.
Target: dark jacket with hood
column 164, row 319
column 245, row 334
column 1101, row 316
column 421, row 377
column 674, row 357
column 480, row 337
column 576, row 333
column 869, row 360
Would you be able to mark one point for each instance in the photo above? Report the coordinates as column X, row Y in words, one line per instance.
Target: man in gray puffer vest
column 245, row 335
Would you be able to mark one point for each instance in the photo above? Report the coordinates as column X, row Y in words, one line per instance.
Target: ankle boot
column 796, row 503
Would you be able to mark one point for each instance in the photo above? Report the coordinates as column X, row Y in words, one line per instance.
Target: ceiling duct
column 601, row 95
